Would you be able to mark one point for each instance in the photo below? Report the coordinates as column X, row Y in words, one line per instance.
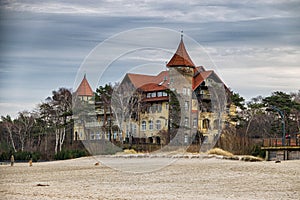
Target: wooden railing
column 277, row 142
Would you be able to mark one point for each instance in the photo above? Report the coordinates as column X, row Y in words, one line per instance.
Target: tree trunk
column 105, row 121
column 62, row 138
column 11, row 138
column 46, row 142
column 56, row 140
column 22, row 139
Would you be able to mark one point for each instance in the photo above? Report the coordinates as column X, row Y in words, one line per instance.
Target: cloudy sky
column 254, row 44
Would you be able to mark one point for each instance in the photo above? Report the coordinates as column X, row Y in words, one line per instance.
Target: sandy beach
column 184, row 178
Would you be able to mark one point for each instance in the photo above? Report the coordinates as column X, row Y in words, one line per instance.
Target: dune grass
column 251, row 158
column 221, row 152
column 129, row 151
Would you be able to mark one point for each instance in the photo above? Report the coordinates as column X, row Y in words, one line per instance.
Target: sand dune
column 181, row 179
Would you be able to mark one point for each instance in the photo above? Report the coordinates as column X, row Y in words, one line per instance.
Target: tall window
column 131, row 128
column 216, row 124
column 98, row 136
column 150, row 125
column 195, row 123
column 186, row 122
column 184, row 91
column 153, row 108
column 115, row 135
column 158, row 124
column 92, row 136
column 144, row 125
column 188, row 91
column 159, row 107
column 186, row 105
column 205, row 124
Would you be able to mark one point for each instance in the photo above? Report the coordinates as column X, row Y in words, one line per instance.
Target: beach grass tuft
column 221, row 152
column 129, row 151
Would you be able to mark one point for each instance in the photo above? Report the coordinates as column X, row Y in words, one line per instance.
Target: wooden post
column 267, row 155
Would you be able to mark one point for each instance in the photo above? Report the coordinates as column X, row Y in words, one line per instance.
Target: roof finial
column 84, row 74
column 181, row 34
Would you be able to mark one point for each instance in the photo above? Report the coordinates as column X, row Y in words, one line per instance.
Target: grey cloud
column 44, row 43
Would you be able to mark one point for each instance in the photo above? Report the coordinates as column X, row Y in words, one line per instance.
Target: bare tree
column 23, row 125
column 122, row 102
column 9, row 126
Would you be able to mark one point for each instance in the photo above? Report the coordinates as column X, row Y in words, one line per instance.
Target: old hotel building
column 200, row 95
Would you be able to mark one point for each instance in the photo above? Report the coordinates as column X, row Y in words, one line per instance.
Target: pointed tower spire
column 84, row 89
column 181, row 58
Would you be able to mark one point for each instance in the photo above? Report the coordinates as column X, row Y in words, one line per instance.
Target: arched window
column 157, row 140
column 158, row 124
column 150, row 140
column 205, row 124
column 216, row 124
column 144, row 126
column 150, row 125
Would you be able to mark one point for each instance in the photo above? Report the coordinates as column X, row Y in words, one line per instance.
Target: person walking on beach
column 12, row 160
column 30, row 162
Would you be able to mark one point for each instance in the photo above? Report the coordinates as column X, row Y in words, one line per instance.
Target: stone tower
column 181, row 72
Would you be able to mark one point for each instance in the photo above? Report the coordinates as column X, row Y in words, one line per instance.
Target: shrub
column 256, row 151
column 69, row 154
column 21, row 156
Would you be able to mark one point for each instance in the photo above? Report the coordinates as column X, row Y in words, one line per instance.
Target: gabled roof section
column 152, row 87
column 140, row 80
column 84, row 89
column 202, row 76
column 199, row 78
column 181, row 57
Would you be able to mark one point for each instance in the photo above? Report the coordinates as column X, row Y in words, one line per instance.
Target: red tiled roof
column 84, row 89
column 181, row 57
column 198, row 79
column 152, row 87
column 140, row 80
